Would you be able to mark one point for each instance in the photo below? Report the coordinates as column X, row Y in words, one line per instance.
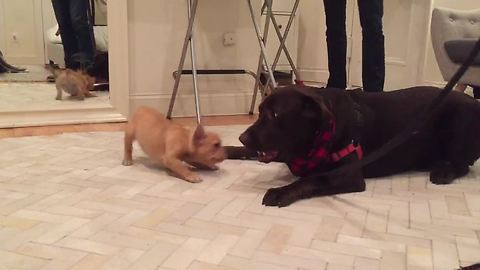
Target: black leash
column 413, row 129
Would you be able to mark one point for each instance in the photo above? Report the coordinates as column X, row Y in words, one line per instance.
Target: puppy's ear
column 198, row 135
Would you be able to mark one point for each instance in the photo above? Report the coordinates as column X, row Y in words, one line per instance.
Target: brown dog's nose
column 244, row 138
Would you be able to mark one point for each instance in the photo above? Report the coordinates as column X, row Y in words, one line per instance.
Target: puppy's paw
column 127, row 162
column 280, row 197
column 204, row 166
column 443, row 173
column 58, row 98
column 214, row 167
column 193, row 178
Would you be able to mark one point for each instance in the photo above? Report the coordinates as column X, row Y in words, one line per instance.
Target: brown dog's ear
column 198, row 135
column 310, row 108
column 314, row 105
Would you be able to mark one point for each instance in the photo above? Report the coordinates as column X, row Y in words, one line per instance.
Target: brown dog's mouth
column 267, row 156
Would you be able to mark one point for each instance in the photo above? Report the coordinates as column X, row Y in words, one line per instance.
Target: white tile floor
column 67, row 203
column 34, row 73
column 41, row 96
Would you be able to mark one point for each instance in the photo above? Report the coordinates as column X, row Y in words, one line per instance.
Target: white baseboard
column 60, row 117
column 314, row 75
column 439, row 84
column 210, row 104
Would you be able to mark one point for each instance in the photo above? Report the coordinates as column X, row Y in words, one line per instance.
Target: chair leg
column 460, row 87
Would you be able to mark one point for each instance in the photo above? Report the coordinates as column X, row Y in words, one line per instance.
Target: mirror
column 33, row 47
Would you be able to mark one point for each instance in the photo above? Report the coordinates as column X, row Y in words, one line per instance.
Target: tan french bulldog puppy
column 76, row 83
column 170, row 144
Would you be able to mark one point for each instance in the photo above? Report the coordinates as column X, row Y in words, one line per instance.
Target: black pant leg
column 69, row 40
column 373, row 44
column 83, row 27
column 335, row 13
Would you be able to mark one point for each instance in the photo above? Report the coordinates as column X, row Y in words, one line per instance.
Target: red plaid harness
column 302, row 166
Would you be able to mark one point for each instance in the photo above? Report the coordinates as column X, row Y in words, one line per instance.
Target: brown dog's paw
column 193, row 178
column 442, row 176
column 280, row 197
column 444, row 173
column 127, row 163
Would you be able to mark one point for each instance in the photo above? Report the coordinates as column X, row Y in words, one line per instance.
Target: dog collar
column 302, row 166
column 352, row 147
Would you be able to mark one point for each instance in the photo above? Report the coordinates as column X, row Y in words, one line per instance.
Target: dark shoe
column 9, row 68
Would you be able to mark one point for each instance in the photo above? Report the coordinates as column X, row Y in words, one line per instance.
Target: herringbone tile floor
column 67, row 203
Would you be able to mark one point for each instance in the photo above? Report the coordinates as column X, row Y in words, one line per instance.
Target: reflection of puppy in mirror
column 170, row 144
column 76, row 83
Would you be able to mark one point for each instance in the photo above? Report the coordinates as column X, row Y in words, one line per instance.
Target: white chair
column 455, row 28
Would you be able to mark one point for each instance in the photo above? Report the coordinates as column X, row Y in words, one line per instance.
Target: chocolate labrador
column 315, row 130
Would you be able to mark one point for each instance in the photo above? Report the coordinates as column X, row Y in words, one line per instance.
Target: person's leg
column 83, row 29
column 335, row 14
column 373, row 45
column 69, row 41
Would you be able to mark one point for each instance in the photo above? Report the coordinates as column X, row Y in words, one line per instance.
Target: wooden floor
column 187, row 121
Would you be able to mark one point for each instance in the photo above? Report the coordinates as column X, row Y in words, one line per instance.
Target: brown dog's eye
column 217, row 145
column 271, row 114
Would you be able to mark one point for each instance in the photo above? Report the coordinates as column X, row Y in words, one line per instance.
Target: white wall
column 21, row 32
column 29, row 20
column 156, row 33
column 49, row 21
column 405, row 29
column 157, row 29
column 312, row 47
column 312, row 57
column 100, row 12
column 48, row 15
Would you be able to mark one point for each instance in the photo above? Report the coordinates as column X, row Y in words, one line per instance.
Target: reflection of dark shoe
column 7, row 67
column 51, row 78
